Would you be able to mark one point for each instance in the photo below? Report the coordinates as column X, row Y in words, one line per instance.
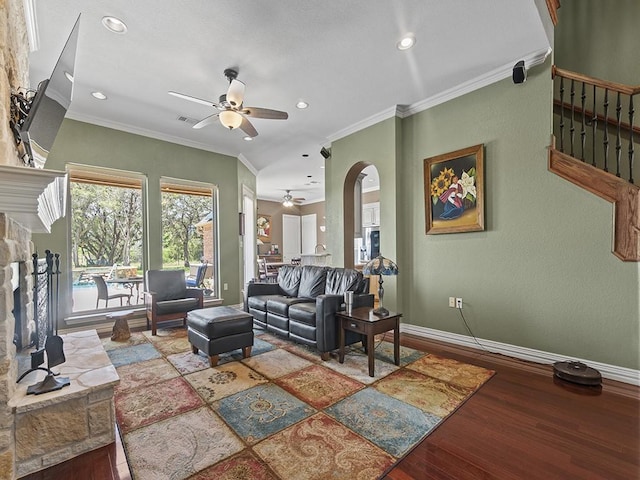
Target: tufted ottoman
column 219, row 329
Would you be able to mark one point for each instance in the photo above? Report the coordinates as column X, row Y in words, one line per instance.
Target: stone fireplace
column 38, row 430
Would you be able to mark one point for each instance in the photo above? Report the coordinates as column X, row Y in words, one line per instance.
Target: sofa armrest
column 326, row 321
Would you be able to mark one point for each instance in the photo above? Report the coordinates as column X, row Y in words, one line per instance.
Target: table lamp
column 380, row 266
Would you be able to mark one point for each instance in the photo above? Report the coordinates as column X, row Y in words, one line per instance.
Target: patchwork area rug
column 281, row 414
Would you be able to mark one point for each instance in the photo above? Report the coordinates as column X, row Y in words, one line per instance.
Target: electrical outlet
column 458, row 302
column 226, row 287
column 452, row 302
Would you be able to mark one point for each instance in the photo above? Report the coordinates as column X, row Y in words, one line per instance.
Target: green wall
column 599, row 39
column 86, row 144
column 542, row 274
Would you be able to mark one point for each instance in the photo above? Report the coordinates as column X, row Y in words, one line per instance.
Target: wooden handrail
column 611, row 86
column 589, row 114
column 553, row 6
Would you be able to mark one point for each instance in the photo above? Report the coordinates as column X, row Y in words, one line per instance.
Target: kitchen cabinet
column 371, row 214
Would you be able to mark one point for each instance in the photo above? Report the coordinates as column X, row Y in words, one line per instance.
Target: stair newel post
column 605, row 141
column 631, row 150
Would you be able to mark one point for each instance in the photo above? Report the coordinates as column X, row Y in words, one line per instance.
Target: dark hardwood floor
column 522, row 424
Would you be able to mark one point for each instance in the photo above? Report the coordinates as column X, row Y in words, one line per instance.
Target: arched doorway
column 360, row 181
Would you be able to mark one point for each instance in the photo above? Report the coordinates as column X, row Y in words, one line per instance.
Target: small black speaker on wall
column 519, row 72
column 325, row 153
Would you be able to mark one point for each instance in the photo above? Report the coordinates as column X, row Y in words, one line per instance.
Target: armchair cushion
column 167, row 284
column 175, row 306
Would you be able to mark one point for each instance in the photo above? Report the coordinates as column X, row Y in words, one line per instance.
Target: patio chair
column 197, row 281
column 103, row 292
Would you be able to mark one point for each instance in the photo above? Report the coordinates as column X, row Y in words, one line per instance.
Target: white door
column 249, row 238
column 290, row 237
column 309, row 233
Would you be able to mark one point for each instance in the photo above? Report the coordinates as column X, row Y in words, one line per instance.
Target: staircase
column 588, row 119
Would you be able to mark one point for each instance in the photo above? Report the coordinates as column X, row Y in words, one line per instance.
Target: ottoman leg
column 246, row 352
column 213, row 360
column 194, row 349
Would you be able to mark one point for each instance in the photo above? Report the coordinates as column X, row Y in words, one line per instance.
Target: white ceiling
column 339, row 56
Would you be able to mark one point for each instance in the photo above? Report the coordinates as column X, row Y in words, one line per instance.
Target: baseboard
column 612, row 372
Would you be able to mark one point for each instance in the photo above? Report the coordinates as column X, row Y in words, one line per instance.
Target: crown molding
column 496, row 75
column 245, row 161
column 362, row 124
column 143, row 132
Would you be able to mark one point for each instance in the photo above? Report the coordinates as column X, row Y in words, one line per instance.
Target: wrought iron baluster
column 562, row 108
column 605, row 140
column 618, row 142
column 572, row 128
column 583, row 131
column 631, row 150
column 594, row 128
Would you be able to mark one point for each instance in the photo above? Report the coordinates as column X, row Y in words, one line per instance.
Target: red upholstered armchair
column 168, row 298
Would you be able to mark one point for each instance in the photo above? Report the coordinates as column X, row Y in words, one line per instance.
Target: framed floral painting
column 453, row 191
column 264, row 227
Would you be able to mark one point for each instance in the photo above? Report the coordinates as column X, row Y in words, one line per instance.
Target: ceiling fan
column 289, row 201
column 232, row 113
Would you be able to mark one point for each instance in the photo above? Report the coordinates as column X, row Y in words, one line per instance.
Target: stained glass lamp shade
column 380, row 266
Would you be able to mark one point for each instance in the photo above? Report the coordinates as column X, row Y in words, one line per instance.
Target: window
column 189, row 231
column 106, row 238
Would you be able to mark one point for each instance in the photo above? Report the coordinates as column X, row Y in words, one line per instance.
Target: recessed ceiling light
column 321, row 166
column 406, row 42
column 69, row 76
column 305, row 155
column 114, row 24
column 302, row 104
column 248, row 138
column 99, row 95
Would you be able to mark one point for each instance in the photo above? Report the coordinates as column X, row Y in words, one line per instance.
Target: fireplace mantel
column 33, row 197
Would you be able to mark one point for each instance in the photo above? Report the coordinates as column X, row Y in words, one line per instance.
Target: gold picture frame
column 454, row 191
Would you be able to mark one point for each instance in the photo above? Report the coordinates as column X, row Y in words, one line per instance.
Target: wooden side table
column 362, row 320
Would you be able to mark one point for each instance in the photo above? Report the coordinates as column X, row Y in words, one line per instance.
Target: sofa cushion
column 289, row 279
column 312, row 281
column 280, row 305
column 303, row 313
column 260, row 301
column 339, row 280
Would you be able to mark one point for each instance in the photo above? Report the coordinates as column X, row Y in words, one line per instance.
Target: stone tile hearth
column 56, row 426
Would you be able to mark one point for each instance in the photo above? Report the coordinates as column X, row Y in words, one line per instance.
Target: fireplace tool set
column 46, row 274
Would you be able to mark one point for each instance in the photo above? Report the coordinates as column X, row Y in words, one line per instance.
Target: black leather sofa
column 302, row 304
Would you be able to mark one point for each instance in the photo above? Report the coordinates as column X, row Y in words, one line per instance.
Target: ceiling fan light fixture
column 406, row 42
column 114, row 24
column 230, row 119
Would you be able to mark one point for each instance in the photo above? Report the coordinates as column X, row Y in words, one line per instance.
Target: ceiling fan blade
column 235, row 94
column 208, row 103
column 206, row 121
column 257, row 112
column 248, row 128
